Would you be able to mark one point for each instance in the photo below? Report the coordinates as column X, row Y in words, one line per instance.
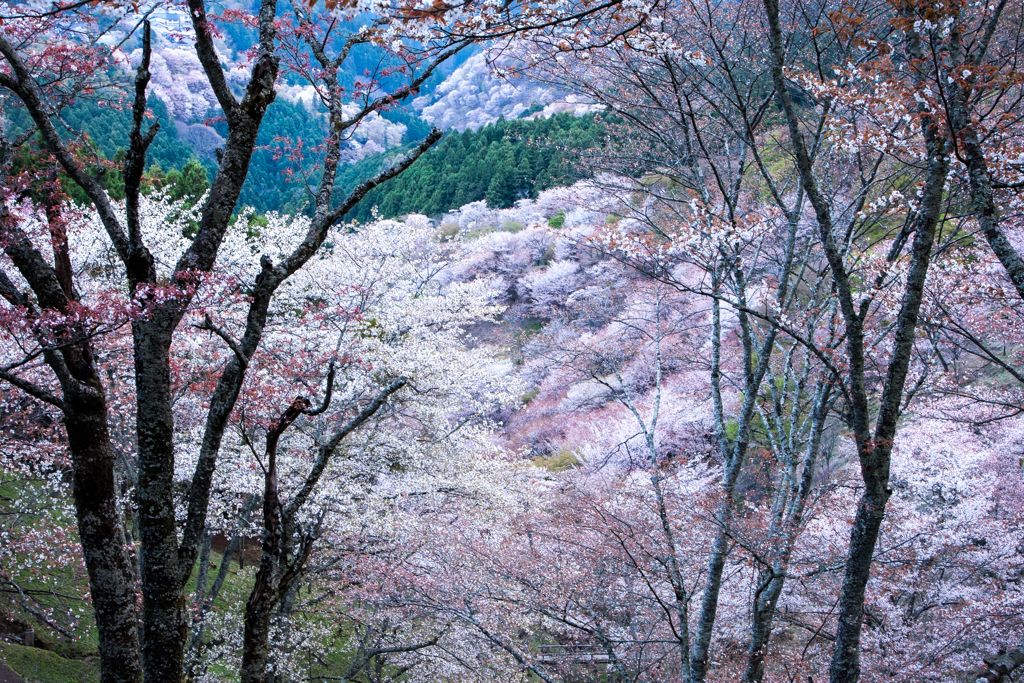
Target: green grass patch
column 479, row 232
column 530, row 395
column 59, row 584
column 561, row 461
column 39, row 666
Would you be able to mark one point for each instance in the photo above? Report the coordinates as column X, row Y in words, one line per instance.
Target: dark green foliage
column 267, row 187
column 191, row 181
column 274, row 181
column 502, row 162
column 108, row 130
column 534, row 108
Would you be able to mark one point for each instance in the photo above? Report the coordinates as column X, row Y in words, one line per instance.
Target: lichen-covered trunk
column 266, row 590
column 165, row 565
column 845, row 667
column 163, row 597
column 874, row 448
column 716, row 566
column 773, row 579
column 94, row 466
column 982, row 194
column 256, row 638
column 876, row 453
column 111, row 574
column 735, row 454
column 761, row 628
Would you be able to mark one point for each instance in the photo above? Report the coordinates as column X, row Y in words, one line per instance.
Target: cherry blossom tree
column 696, row 92
column 44, row 69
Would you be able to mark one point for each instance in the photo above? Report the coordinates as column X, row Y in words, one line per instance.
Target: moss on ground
column 561, row 461
column 39, row 666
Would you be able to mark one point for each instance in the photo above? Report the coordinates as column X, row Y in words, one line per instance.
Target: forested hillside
column 690, row 351
column 500, row 163
column 107, row 127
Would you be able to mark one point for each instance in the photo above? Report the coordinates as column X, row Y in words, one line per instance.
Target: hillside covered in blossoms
column 539, row 342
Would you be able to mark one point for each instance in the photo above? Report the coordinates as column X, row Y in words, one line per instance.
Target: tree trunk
column 94, row 466
column 256, row 640
column 876, row 453
column 761, row 625
column 163, row 595
column 982, row 193
column 1001, row 667
column 716, row 566
column 874, row 449
column 773, row 579
column 266, row 591
column 734, row 454
column 845, row 666
column 111, row 574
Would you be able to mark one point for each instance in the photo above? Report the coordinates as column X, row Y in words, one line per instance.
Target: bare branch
column 33, row 390
column 208, row 325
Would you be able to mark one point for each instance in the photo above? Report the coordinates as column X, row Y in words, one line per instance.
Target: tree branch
column 327, row 398
column 22, row 85
column 208, row 325
column 31, row 389
column 327, row 450
column 140, row 265
column 207, row 54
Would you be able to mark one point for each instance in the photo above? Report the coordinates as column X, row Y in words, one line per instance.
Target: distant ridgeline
column 502, row 162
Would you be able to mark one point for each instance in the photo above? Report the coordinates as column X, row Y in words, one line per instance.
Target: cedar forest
column 691, row 350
